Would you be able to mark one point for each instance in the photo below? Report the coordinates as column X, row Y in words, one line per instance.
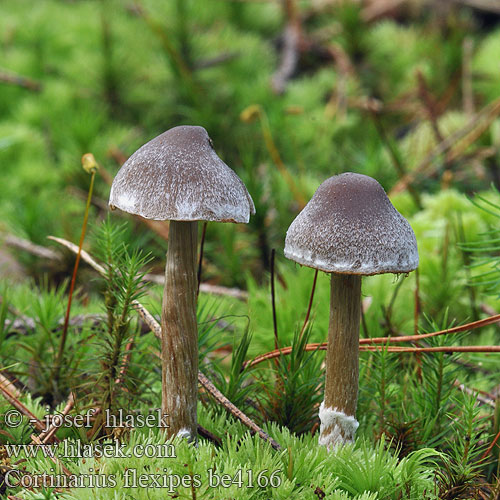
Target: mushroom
column 177, row 176
column 349, row 228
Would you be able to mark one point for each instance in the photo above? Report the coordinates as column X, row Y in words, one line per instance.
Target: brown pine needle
column 413, row 338
column 371, row 348
column 21, row 408
column 48, row 435
column 490, row 447
column 470, row 132
column 408, row 338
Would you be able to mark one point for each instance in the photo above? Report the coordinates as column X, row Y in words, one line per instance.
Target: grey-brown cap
column 178, row 176
column 350, row 226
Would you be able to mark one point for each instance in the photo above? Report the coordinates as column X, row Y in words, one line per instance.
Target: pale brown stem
column 337, row 414
column 149, row 319
column 179, row 331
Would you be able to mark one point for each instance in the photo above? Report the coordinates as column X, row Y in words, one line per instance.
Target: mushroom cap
column 350, row 226
column 178, row 176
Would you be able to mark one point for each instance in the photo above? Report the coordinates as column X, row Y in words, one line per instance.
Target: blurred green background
column 291, row 92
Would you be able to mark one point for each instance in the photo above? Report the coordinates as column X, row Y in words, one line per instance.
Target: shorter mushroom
column 178, row 177
column 349, row 228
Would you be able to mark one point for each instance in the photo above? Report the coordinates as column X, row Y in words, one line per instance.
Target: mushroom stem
column 179, row 345
column 337, row 413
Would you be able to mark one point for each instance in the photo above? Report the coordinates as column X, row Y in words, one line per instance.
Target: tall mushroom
column 349, row 228
column 178, row 177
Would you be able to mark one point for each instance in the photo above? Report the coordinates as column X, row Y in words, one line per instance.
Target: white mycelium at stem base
column 349, row 228
column 336, row 426
column 177, row 176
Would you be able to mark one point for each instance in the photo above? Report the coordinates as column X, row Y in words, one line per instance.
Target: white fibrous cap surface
column 178, row 176
column 342, row 427
column 350, row 226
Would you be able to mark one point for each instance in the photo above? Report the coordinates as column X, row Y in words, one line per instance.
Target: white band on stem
column 343, row 427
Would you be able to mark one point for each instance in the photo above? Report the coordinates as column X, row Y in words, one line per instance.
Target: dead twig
column 467, row 134
column 20, row 407
column 211, row 389
column 205, row 433
column 215, row 61
column 484, row 5
column 32, row 248
column 490, row 447
column 482, row 398
column 55, row 461
column 9, row 386
column 292, row 42
column 47, row 435
column 380, row 9
column 289, row 60
column 371, row 348
column 20, row 81
column 403, row 338
column 415, row 338
column 205, row 288
column 126, row 361
column 467, row 90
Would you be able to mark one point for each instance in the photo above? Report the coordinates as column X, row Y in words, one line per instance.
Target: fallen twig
column 20, row 407
column 32, row 248
column 371, row 348
column 482, row 398
column 484, row 5
column 413, row 338
column 9, row 386
column 47, row 435
column 215, row 61
column 289, row 59
column 126, row 361
column 490, row 447
column 377, row 10
column 291, row 47
column 20, row 81
column 205, row 287
column 408, row 338
column 472, row 129
column 55, row 461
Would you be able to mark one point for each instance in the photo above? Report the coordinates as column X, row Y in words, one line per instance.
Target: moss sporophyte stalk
column 90, row 166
